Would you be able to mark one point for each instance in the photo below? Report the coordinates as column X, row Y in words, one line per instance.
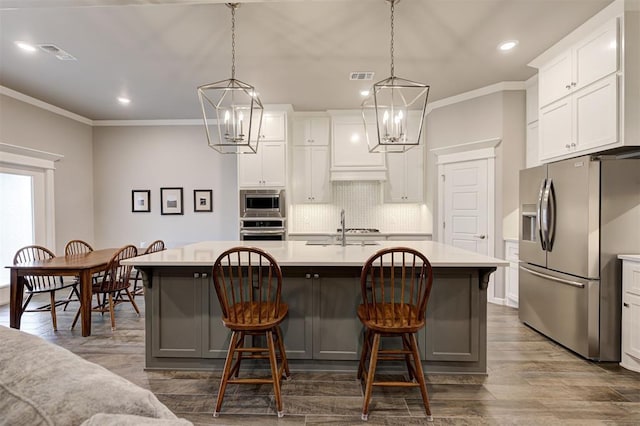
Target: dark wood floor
column 531, row 381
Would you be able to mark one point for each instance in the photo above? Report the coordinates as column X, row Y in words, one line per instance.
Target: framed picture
column 202, row 200
column 141, row 201
column 171, row 201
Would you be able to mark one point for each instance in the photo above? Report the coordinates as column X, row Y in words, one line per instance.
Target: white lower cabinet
column 631, row 315
column 511, row 273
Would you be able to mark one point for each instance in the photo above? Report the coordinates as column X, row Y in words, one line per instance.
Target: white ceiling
column 297, row 52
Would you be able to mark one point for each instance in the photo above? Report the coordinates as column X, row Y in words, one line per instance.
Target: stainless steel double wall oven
column 262, row 214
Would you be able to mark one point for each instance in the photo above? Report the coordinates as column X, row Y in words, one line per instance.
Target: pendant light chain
column 393, row 2
column 233, row 41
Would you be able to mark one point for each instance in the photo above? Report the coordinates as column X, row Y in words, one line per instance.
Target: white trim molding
column 43, row 105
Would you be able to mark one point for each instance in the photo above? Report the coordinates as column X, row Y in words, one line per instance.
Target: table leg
column 15, row 299
column 85, row 302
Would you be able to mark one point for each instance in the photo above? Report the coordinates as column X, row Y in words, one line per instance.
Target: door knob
column 481, row 236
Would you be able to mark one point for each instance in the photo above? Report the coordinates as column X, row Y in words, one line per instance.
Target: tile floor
column 531, row 381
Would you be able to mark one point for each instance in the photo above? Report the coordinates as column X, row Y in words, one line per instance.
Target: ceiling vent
column 57, row 52
column 361, row 75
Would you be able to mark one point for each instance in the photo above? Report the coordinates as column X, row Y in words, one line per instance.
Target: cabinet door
column 273, row 126
column 250, row 168
column 336, row 327
column 395, row 186
column 176, row 320
column 556, row 129
column 215, row 336
column 318, row 130
column 301, row 182
column 319, row 176
column 414, row 175
column 533, row 141
column 273, row 163
column 297, row 327
column 595, row 112
column 350, row 150
column 554, row 79
column 597, row 55
column 631, row 325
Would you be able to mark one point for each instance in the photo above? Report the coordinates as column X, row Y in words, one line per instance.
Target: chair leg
column 273, row 361
column 406, row 345
column 75, row 318
column 283, row 353
column 235, row 370
column 133, row 302
column 53, row 310
column 112, row 312
column 370, row 375
column 226, row 372
column 420, row 376
column 364, row 353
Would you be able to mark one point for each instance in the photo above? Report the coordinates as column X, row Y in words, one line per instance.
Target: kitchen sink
column 349, row 243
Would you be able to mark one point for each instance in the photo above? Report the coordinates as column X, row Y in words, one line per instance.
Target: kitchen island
column 321, row 285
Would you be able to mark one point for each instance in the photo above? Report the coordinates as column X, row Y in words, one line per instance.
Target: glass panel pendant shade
column 231, row 109
column 397, row 107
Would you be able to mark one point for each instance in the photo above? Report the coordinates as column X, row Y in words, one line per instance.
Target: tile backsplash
column 364, row 208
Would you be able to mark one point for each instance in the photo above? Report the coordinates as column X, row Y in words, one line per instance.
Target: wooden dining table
column 82, row 265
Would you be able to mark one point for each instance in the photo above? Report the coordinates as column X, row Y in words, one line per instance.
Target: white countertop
column 632, row 257
column 358, row 234
column 297, row 253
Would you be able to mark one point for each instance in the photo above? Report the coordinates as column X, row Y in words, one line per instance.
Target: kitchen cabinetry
column 266, row 168
column 310, row 160
column 406, row 176
column 274, row 125
column 350, row 156
column 631, row 314
column 589, row 60
column 311, row 131
column 511, row 273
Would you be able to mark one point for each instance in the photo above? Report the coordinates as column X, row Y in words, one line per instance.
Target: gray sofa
column 44, row 384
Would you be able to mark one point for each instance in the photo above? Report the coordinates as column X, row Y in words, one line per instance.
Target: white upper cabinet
column 274, row 126
column 581, row 91
column 350, row 156
column 266, row 168
column 593, row 58
column 406, row 177
column 310, row 181
column 311, row 131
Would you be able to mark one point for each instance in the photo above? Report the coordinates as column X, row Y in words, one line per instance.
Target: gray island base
column 321, row 285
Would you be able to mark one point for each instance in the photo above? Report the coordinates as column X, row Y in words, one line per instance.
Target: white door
column 466, row 217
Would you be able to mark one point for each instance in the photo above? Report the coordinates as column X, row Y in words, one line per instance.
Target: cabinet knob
column 567, row 146
column 316, row 276
column 573, row 84
column 568, row 86
column 307, row 276
column 205, row 275
column 573, row 145
column 626, row 305
column 196, row 275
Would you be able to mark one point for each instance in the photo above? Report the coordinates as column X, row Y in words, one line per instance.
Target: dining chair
column 36, row 284
column 115, row 279
column 71, row 248
column 248, row 284
column 395, row 285
column 136, row 274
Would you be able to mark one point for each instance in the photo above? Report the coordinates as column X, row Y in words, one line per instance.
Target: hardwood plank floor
column 531, row 381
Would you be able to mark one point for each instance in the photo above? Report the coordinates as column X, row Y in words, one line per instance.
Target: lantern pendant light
column 231, row 109
column 397, row 107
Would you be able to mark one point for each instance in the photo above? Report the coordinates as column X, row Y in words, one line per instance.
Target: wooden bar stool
column 248, row 283
column 395, row 285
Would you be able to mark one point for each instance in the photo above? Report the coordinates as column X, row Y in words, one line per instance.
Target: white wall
column 151, row 157
column 25, row 125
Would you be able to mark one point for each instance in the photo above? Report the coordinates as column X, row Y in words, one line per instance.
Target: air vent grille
column 361, row 75
column 57, row 52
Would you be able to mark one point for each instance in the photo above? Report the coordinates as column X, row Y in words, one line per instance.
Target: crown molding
column 43, row 105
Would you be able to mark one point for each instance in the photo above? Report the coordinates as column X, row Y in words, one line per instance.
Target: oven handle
column 262, row 232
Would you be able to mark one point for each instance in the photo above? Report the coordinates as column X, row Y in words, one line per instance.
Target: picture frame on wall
column 202, row 200
column 141, row 200
column 171, row 201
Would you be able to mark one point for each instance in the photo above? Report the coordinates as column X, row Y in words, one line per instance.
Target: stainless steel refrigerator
column 576, row 216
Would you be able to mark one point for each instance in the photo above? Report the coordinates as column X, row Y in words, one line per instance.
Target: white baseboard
column 497, row 300
column 4, row 295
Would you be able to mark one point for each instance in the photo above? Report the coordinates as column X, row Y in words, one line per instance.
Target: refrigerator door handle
column 539, row 213
column 556, row 279
column 546, row 215
column 551, row 209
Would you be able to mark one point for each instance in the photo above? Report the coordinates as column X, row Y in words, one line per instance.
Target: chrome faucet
column 342, row 226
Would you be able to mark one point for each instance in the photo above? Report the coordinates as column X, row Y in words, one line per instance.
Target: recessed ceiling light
column 124, row 101
column 507, row 45
column 364, row 92
column 25, row 46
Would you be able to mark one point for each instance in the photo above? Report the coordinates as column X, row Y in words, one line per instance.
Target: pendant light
column 231, row 109
column 397, row 107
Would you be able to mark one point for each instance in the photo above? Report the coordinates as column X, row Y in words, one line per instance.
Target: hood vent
column 361, row 75
column 57, row 52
